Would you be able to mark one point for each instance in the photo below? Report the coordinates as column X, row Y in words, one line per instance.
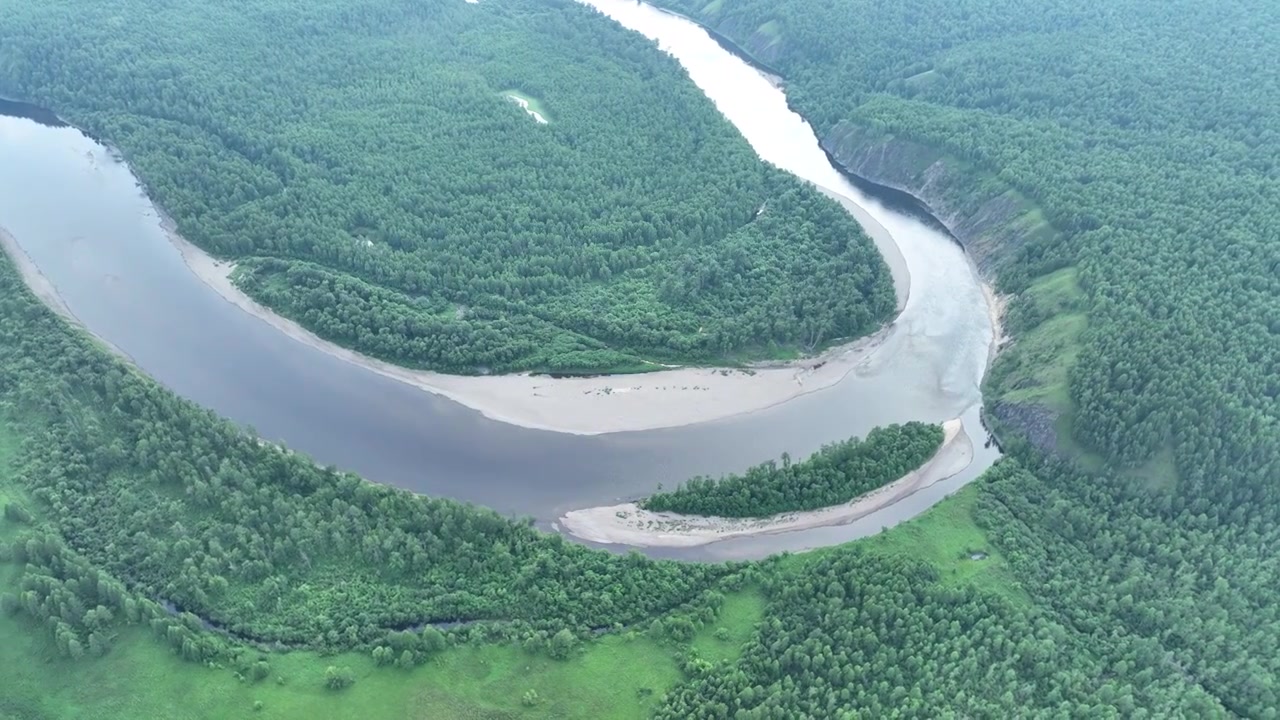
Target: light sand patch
column 997, row 305
column 629, row 524
column 583, row 406
column 523, row 103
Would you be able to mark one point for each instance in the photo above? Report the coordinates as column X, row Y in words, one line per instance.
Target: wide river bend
column 79, row 218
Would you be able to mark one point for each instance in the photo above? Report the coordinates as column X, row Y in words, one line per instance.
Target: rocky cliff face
column 763, row 48
column 991, row 221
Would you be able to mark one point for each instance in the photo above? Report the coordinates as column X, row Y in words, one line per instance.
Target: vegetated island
column 393, row 199
column 838, row 484
column 836, row 473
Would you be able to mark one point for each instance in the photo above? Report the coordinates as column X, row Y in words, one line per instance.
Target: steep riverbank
column 629, row 524
column 989, row 219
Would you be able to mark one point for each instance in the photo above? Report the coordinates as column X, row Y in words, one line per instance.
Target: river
column 82, row 219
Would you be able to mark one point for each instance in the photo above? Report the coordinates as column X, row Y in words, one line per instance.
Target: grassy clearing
column 946, row 537
column 1036, row 369
column 140, row 678
column 535, row 105
column 773, row 29
column 734, row 627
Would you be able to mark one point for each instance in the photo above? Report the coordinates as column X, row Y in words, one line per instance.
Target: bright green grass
column 723, row 640
column 534, row 103
column 1046, row 355
column 946, row 536
column 140, row 678
column 1036, row 370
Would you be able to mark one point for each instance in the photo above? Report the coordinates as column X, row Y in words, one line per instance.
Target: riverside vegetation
column 1130, row 565
column 835, row 474
column 1146, row 359
column 364, row 166
column 129, row 511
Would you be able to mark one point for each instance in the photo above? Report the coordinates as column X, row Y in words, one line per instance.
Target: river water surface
column 80, row 217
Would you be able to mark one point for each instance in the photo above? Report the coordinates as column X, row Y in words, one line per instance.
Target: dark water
column 80, row 216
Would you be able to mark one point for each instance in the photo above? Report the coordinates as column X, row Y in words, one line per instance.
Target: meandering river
column 81, row 218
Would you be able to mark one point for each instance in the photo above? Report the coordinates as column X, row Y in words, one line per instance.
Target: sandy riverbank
column 629, row 524
column 585, row 406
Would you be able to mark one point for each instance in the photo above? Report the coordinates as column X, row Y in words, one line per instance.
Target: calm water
column 81, row 217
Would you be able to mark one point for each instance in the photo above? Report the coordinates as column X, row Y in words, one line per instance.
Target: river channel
column 81, row 218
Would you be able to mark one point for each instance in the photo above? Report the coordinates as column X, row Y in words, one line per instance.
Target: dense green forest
column 179, row 506
column 1130, row 562
column 125, row 505
column 1147, row 327
column 364, row 164
column 836, row 474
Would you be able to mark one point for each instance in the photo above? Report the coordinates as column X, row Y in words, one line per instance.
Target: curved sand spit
column 629, row 524
column 581, row 405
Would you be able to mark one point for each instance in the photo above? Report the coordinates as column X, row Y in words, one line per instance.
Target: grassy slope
column 737, row 621
column 1036, row 369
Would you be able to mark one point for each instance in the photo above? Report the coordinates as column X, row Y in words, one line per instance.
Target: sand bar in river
column 579, row 405
column 629, row 524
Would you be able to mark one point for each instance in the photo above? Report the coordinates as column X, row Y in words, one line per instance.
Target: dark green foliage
column 1147, row 135
column 562, row 645
column 1149, row 141
column 389, row 196
column 854, row 636
column 835, row 474
column 179, row 505
column 1188, row 583
column 1150, row 145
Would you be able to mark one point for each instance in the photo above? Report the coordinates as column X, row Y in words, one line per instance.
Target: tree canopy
column 835, row 474
column 365, row 166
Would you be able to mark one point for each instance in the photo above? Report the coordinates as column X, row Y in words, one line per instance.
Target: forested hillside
column 367, row 166
column 120, row 498
column 1147, row 327
column 1120, row 562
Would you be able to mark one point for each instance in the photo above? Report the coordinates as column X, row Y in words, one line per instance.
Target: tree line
column 391, row 198
column 837, row 473
column 178, row 505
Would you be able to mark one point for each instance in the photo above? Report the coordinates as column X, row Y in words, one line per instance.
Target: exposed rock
column 1037, row 423
column 987, row 219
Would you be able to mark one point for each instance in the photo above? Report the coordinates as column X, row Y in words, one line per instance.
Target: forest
column 1143, row 136
column 836, row 474
column 1130, row 568
column 126, row 506
column 364, row 165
